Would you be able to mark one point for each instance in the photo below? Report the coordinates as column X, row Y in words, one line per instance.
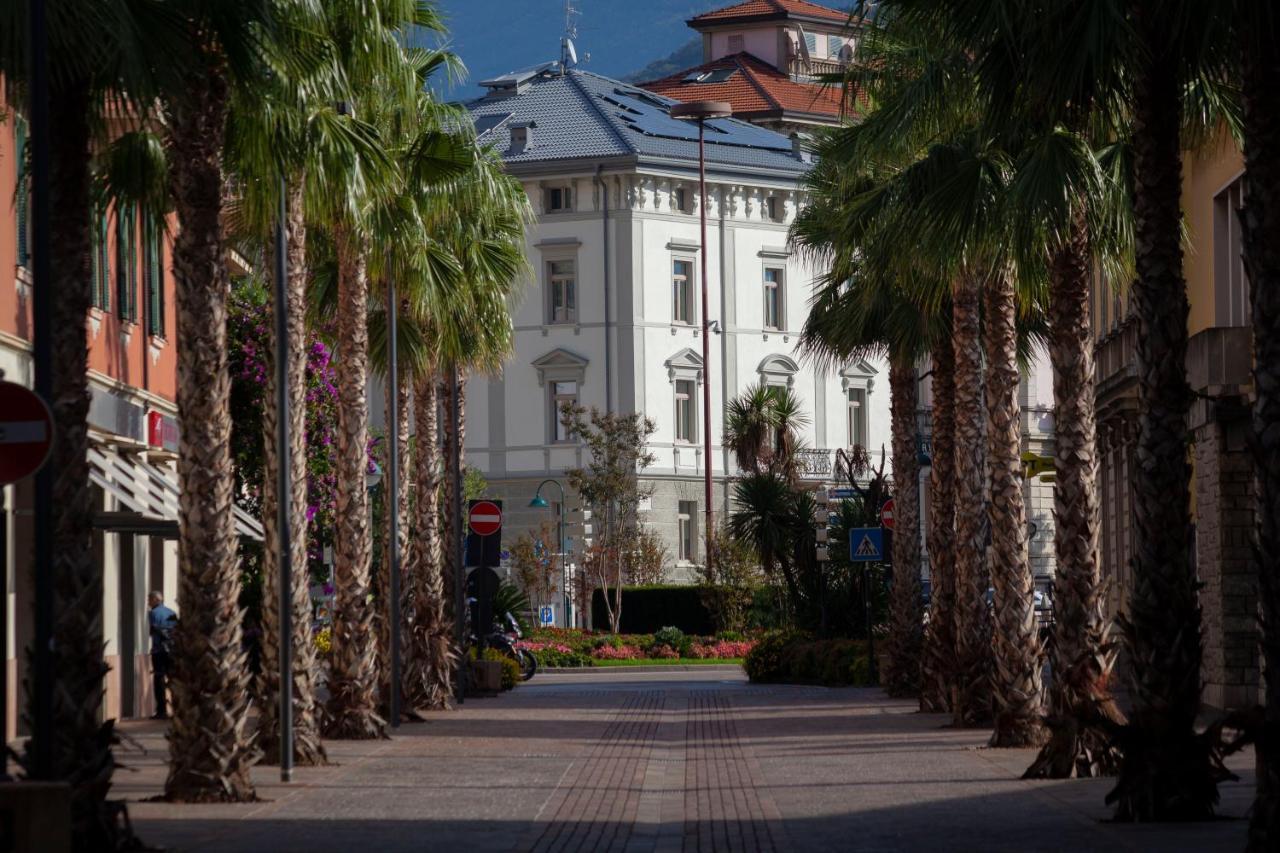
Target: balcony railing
column 815, row 68
column 815, row 464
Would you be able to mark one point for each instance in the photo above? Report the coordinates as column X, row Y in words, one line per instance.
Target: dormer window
column 522, row 136
column 559, row 199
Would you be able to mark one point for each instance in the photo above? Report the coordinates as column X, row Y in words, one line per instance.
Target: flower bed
column 563, row 647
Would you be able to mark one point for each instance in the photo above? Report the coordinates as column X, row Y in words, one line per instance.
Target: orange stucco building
column 132, row 368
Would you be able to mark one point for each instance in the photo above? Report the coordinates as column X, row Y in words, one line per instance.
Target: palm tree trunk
column 82, row 746
column 902, row 675
column 1262, row 256
column 971, row 694
column 428, row 678
column 210, row 751
column 1018, row 688
column 307, row 748
column 454, row 448
column 1166, row 771
column 353, row 679
column 938, row 663
column 404, row 393
column 1081, row 656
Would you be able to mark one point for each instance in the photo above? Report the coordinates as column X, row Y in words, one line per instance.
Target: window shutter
column 23, row 199
column 155, row 280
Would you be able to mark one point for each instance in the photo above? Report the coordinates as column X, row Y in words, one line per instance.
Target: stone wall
column 1224, row 530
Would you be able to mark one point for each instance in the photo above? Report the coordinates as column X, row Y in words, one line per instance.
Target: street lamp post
column 539, row 502
column 284, row 492
column 700, row 111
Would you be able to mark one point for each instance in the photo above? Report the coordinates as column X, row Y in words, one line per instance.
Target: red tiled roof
column 769, row 8
column 754, row 86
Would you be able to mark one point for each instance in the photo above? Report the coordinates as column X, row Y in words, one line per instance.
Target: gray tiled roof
column 580, row 115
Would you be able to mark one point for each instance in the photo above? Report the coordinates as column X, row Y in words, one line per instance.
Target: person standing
column 162, row 620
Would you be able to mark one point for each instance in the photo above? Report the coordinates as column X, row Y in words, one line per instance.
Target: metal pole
column 459, row 543
column 706, row 341
column 393, row 502
column 284, row 491
column 42, row 356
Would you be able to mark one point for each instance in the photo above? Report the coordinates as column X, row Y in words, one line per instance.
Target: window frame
column 101, row 249
column 556, row 399
column 1231, row 285
column 570, row 282
column 22, row 202
column 686, row 425
column 153, row 276
column 778, row 286
column 126, row 272
column 687, row 531
column 566, row 198
column 742, row 43
column 690, row 287
column 856, row 415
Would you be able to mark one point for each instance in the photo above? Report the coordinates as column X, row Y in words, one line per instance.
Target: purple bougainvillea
column 248, row 337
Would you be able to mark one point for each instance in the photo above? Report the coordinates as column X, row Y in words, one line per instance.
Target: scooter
column 504, row 640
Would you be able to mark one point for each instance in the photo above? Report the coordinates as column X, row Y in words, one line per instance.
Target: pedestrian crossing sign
column 547, row 615
column 866, row 545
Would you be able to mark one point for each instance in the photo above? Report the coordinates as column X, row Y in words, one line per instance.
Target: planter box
column 486, row 676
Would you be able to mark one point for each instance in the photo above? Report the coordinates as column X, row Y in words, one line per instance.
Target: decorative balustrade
column 816, row 463
column 816, row 68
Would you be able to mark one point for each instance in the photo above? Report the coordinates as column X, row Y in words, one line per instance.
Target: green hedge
column 646, row 609
column 799, row 659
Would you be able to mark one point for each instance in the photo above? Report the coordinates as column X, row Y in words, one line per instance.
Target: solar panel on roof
column 645, row 116
column 484, row 124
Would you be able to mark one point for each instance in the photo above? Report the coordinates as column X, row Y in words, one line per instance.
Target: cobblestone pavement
column 697, row 761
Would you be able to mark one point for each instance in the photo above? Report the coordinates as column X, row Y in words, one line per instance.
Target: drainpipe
column 608, row 311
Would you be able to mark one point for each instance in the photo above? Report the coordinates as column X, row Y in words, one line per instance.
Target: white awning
column 148, row 487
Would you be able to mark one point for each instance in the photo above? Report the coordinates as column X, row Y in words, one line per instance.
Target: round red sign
column 485, row 518
column 886, row 515
column 26, row 432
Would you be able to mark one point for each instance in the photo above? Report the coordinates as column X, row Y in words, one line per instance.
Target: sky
column 621, row 36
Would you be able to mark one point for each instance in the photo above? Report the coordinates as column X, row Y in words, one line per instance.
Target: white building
column 611, row 316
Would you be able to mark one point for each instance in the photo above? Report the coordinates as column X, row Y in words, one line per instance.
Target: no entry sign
column 26, row 432
column 886, row 515
column 485, row 518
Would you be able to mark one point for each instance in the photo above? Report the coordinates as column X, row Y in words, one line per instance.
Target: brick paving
column 687, row 762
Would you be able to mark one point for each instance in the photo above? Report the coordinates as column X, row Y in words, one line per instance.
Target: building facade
column 132, row 368
column 611, row 315
column 1219, row 372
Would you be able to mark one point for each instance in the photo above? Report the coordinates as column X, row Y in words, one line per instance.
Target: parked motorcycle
column 504, row 639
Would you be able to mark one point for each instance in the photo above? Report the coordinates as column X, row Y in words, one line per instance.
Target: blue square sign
column 866, row 545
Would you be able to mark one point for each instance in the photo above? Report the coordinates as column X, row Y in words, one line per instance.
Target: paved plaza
column 614, row 760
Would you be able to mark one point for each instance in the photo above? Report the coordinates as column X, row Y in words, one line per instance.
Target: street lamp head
column 539, row 502
column 701, row 110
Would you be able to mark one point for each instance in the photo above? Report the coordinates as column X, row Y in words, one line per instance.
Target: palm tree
column 210, row 753
column 81, row 45
column 860, row 312
column 940, row 635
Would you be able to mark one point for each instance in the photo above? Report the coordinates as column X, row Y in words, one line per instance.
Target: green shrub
column 648, row 608
column 510, row 669
column 673, row 638
column 731, row 636
column 791, row 657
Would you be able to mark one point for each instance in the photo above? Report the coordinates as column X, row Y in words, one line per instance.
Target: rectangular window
column 126, row 264
column 686, row 424
column 682, row 292
column 680, row 199
column 563, row 298
column 153, row 277
column 835, row 44
column 737, row 44
column 811, row 42
column 1230, row 282
column 562, row 393
column 856, row 411
column 686, row 519
column 101, row 265
column 23, row 200
column 559, row 199
column 773, row 318
column 771, row 208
